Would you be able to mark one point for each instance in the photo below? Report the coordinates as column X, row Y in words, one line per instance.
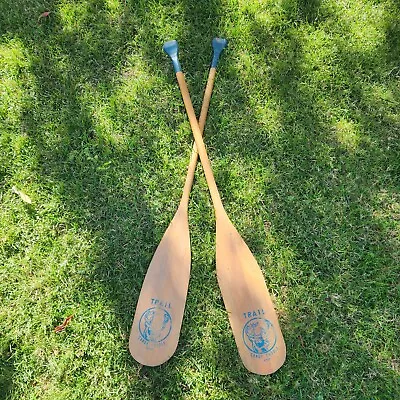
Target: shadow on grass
column 6, row 372
column 320, row 205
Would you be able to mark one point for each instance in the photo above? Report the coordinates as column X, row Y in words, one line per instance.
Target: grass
column 303, row 133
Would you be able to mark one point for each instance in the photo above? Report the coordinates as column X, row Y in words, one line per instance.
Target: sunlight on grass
column 166, row 20
column 387, row 212
column 115, row 9
column 98, row 107
column 320, row 55
column 384, row 101
column 15, row 80
column 136, row 79
column 346, row 133
column 87, row 17
column 73, row 15
column 366, row 23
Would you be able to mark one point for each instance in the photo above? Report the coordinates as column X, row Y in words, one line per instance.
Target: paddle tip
column 171, row 48
column 218, row 45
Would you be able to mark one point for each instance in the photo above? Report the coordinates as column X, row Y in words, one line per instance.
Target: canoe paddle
column 250, row 309
column 159, row 311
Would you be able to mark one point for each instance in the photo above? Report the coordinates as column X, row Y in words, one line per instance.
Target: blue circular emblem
column 155, row 324
column 259, row 336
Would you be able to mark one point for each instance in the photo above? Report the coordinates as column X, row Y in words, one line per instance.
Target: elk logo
column 155, row 325
column 259, row 336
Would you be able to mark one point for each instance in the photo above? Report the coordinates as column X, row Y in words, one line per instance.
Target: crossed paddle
column 159, row 311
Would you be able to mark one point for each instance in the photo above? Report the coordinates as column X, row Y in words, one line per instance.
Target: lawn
column 304, row 137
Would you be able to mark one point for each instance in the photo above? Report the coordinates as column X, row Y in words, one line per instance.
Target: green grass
column 303, row 133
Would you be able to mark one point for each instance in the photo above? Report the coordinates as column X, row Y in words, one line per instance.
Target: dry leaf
column 21, row 194
column 61, row 327
column 44, row 15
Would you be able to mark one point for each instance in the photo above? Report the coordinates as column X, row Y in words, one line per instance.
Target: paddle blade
column 250, row 309
column 159, row 311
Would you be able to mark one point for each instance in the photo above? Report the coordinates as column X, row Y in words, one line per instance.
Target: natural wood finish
column 202, row 122
column 251, row 312
column 161, row 304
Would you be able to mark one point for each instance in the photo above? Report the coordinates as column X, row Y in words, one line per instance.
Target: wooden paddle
column 159, row 311
column 251, row 313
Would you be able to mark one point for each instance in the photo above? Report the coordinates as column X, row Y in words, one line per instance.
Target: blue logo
column 155, row 325
column 259, row 336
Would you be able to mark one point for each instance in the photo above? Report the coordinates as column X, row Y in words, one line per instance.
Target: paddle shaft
column 201, row 123
column 201, row 149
